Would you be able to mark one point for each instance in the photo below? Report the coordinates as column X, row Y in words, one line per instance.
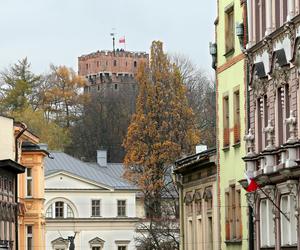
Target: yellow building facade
column 31, row 192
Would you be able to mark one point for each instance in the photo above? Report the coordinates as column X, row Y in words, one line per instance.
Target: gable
column 63, row 180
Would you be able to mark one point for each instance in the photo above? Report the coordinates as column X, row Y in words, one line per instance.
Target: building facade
column 91, row 202
column 273, row 149
column 229, row 63
column 9, row 170
column 30, row 190
column 199, row 214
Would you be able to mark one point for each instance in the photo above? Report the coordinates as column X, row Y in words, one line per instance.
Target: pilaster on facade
column 274, row 123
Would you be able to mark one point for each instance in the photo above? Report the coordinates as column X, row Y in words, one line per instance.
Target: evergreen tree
column 18, row 84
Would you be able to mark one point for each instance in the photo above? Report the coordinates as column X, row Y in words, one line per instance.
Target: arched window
column 59, row 209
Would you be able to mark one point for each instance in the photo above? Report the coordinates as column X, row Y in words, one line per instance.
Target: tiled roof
column 109, row 176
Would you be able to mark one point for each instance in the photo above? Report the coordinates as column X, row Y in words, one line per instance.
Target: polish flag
column 252, row 185
column 122, row 39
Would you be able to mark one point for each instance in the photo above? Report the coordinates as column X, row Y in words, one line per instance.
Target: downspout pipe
column 24, row 128
column 250, row 209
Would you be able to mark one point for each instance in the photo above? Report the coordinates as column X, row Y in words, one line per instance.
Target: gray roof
column 110, row 176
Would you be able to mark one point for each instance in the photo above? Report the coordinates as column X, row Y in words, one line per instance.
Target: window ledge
column 233, row 241
column 229, row 53
column 236, row 145
column 226, row 148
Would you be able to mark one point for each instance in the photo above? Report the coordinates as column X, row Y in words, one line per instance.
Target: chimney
column 200, row 148
column 43, row 146
column 102, row 157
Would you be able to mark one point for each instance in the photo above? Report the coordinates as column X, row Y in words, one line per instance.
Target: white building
column 90, row 201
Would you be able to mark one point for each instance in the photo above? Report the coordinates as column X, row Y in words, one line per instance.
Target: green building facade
column 230, row 66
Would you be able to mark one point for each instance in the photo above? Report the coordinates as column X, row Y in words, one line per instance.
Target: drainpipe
column 24, row 128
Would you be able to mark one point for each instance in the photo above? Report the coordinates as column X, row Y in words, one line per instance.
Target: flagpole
column 269, row 198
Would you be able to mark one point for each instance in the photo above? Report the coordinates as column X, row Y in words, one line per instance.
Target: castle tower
column 110, row 70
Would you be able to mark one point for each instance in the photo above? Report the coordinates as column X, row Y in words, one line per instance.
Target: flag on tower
column 122, row 39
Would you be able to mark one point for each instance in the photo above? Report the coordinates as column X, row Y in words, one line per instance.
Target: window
column 49, row 212
column 121, row 207
column 229, row 28
column 233, row 214
column 62, row 210
column 236, row 107
column 59, row 209
column 116, row 86
column 96, row 248
column 70, row 213
column 29, row 182
column 29, row 242
column 134, row 64
column 96, row 207
column 226, row 121
column 267, row 237
column 97, row 64
column 288, row 228
column 122, row 248
column 115, row 63
column 10, row 186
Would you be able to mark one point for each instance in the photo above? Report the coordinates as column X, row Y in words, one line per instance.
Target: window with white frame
column 288, row 228
column 28, row 182
column 29, row 238
column 122, row 247
column 96, row 211
column 121, row 207
column 267, row 237
column 122, row 244
column 59, row 209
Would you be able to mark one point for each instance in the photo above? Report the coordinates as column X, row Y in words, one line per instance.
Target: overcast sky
column 58, row 31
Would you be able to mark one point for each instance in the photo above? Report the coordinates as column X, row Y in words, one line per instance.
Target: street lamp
column 213, row 53
column 239, row 29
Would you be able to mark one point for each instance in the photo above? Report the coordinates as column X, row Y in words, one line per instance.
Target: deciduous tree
column 162, row 130
column 201, row 97
column 63, row 98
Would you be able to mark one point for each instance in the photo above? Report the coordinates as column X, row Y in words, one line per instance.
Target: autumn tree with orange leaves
column 162, row 130
column 62, row 99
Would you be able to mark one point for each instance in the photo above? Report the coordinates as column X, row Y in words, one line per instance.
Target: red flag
column 122, row 39
column 253, row 186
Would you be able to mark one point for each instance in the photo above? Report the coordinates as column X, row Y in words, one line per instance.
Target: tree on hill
column 18, row 85
column 63, row 98
column 201, row 97
column 49, row 132
column 162, row 130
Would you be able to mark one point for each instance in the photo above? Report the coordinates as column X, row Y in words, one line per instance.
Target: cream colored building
column 196, row 180
column 90, row 201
